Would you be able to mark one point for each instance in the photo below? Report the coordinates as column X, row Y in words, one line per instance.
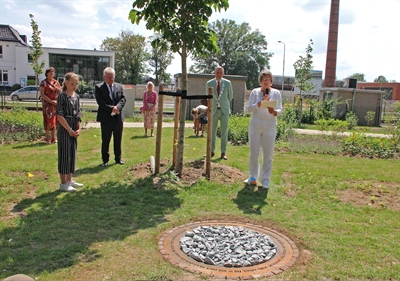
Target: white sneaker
column 265, row 185
column 67, row 187
column 75, row 184
column 250, row 181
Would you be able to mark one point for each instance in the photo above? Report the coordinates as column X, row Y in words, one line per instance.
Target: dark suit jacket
column 102, row 94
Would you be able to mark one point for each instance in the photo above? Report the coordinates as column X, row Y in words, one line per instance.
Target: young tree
column 241, row 52
column 160, row 58
column 130, row 54
column 183, row 24
column 303, row 67
column 36, row 52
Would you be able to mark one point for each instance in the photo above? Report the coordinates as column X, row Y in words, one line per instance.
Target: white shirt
column 261, row 115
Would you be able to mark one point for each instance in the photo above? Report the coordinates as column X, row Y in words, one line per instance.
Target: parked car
column 25, row 93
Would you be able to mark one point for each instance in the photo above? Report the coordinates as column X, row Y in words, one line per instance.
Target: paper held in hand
column 271, row 103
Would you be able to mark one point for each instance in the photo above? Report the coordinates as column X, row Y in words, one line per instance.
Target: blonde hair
column 68, row 77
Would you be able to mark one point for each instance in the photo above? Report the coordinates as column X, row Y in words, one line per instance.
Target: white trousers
column 261, row 136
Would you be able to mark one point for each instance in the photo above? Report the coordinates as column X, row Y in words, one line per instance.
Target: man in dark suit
column 110, row 98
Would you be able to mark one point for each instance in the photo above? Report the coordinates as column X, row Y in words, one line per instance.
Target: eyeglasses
column 266, row 79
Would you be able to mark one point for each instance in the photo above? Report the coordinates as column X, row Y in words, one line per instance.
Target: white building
column 16, row 68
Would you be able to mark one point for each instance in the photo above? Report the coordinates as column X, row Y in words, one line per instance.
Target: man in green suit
column 221, row 107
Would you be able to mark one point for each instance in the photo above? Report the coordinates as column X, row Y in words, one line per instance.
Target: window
column 3, row 77
column 89, row 67
column 30, row 60
column 1, row 51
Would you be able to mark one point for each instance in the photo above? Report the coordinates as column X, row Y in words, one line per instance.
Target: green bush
column 325, row 109
column 20, row 125
column 310, row 115
column 332, row 125
column 352, row 119
column 291, row 115
column 359, row 144
column 369, row 118
column 15, row 87
column 238, row 130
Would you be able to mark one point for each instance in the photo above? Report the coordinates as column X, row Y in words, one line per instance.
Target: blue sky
column 369, row 35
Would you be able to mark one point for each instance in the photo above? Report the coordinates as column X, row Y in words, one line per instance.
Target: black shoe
column 105, row 164
column 120, row 162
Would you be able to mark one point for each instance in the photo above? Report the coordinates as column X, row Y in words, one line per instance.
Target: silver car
column 25, row 93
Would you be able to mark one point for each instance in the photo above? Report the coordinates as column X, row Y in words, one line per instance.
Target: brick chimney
column 331, row 54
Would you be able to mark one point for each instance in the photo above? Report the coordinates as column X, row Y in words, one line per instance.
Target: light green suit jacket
column 225, row 97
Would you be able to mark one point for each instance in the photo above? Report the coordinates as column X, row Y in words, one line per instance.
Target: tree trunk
column 182, row 116
column 37, row 94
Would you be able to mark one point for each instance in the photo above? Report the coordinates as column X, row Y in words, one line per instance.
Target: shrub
column 238, row 130
column 291, row 115
column 359, row 144
column 325, row 109
column 15, row 87
column 20, row 125
column 369, row 118
column 352, row 119
column 310, row 115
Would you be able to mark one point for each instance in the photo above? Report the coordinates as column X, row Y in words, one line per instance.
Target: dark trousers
column 108, row 129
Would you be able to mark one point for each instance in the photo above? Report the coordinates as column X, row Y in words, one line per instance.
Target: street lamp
column 283, row 74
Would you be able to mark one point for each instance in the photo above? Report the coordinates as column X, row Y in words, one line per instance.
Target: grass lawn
column 109, row 230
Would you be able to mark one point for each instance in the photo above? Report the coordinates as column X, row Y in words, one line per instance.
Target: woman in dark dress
column 69, row 118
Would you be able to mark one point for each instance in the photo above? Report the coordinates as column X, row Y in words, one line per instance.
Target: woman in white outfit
column 262, row 129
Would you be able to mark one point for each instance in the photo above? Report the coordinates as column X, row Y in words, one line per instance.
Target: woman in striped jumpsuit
column 69, row 118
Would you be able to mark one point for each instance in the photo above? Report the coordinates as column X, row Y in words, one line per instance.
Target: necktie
column 218, row 88
column 112, row 93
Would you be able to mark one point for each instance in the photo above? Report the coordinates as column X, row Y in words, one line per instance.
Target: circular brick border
column 285, row 257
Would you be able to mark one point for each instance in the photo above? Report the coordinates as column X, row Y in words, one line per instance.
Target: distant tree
column 381, row 79
column 160, row 58
column 359, row 76
column 36, row 52
column 183, row 24
column 241, row 52
column 303, row 75
column 130, row 54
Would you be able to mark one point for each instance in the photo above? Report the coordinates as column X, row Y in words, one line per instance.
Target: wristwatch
column 70, row 129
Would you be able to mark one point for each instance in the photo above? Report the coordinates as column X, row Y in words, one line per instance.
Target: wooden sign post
column 176, row 127
column 209, row 133
column 159, row 130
